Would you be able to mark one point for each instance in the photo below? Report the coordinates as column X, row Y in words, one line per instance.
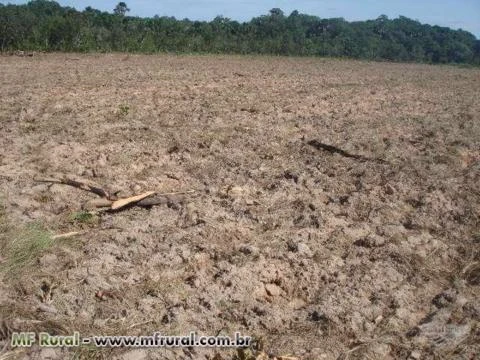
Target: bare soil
column 335, row 214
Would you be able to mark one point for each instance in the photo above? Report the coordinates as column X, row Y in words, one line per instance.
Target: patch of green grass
column 22, row 247
column 123, row 110
column 84, row 217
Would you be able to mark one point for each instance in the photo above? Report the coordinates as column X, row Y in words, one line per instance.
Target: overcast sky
column 456, row 14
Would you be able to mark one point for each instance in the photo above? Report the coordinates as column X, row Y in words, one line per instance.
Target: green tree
column 45, row 25
column 121, row 9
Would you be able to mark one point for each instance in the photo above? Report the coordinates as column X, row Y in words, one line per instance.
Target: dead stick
column 79, row 185
column 66, row 235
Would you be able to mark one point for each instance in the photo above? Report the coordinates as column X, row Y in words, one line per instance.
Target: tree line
column 42, row 25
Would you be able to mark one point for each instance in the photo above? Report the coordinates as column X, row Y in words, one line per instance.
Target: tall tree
column 121, row 9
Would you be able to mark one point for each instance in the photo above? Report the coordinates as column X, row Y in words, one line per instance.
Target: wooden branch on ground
column 80, row 185
column 130, row 200
column 110, row 202
column 146, row 202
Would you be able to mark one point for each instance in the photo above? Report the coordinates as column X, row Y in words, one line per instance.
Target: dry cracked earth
column 335, row 213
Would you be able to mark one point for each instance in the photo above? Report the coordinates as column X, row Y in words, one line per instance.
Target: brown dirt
column 319, row 255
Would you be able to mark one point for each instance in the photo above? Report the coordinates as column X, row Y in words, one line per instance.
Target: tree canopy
column 121, row 9
column 45, row 25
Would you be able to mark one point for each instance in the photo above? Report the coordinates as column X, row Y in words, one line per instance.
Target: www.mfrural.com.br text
column 157, row 340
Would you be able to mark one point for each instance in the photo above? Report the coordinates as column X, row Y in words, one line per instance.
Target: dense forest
column 43, row 25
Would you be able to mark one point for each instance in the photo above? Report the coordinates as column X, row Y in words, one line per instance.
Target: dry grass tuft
column 24, row 246
column 21, row 246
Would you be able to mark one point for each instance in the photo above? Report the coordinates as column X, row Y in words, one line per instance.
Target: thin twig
column 66, row 235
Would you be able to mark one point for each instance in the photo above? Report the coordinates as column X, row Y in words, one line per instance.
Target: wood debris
column 111, row 202
column 130, row 200
column 80, row 185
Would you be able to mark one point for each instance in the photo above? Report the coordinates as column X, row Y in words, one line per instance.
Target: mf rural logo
column 28, row 339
